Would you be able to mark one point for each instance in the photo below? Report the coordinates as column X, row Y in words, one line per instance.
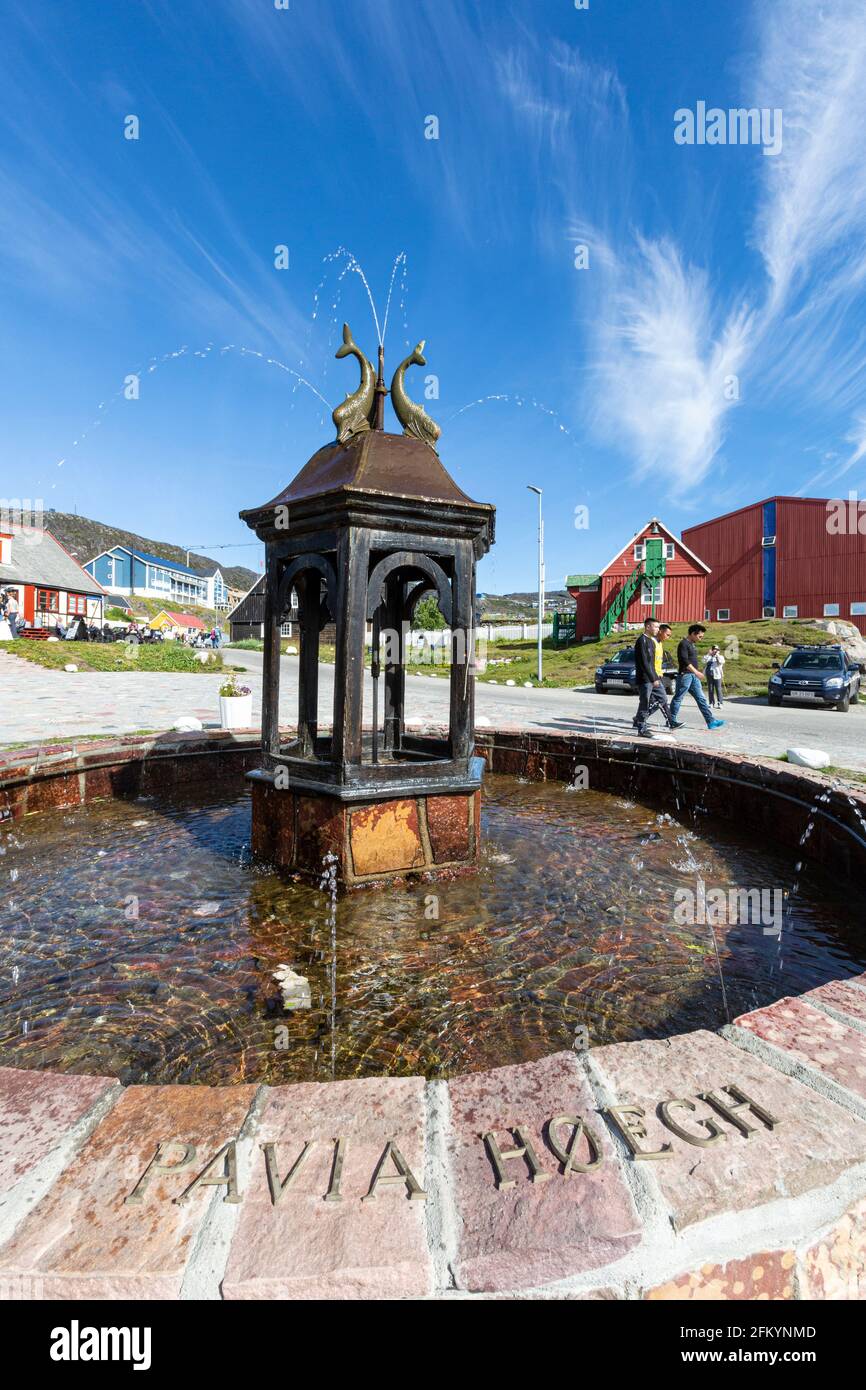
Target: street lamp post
column 538, row 490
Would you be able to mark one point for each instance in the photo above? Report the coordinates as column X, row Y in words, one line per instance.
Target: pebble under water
column 138, row 940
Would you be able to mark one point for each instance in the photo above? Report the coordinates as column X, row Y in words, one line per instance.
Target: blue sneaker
column 716, row 724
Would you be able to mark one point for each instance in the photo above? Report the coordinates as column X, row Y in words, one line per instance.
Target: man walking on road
column 651, row 691
column 658, row 695
column 690, row 678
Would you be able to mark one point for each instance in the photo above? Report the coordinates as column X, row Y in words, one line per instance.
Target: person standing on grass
column 689, row 677
column 714, row 666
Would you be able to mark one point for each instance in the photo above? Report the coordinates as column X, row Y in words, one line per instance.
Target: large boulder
column 849, row 636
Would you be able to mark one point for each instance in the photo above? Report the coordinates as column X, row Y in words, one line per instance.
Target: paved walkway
column 38, row 704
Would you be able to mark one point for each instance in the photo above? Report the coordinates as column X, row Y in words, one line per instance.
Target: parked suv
column 619, row 673
column 816, row 675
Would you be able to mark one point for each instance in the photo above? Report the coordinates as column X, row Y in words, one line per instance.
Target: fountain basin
column 779, row 1214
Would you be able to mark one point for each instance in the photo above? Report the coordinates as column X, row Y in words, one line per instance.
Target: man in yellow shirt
column 658, row 698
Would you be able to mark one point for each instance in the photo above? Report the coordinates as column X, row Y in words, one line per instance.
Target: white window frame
column 723, row 615
column 831, row 610
column 640, row 550
column 858, row 608
column 768, row 611
column 707, row 616
column 670, row 550
column 647, row 591
column 790, row 610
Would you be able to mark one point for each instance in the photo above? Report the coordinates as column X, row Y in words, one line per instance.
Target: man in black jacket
column 647, row 677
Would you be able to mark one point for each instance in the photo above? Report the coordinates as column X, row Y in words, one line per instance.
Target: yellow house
column 176, row 624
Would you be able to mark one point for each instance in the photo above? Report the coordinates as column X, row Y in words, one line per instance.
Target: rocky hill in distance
column 84, row 538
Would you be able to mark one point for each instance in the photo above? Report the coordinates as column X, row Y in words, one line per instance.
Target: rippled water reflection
column 136, row 939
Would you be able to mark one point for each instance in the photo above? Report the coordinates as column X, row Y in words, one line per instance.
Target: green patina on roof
column 581, row 581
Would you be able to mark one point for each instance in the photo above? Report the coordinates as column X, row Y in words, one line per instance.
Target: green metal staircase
column 652, row 568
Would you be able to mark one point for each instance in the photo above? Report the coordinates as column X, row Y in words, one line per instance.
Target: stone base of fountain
column 422, row 835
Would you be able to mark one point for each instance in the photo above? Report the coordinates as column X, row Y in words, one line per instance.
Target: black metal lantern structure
column 370, row 524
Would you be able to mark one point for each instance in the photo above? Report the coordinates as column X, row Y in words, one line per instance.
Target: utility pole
column 538, row 490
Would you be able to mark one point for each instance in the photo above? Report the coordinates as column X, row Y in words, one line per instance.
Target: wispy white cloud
column 813, row 208
column 663, row 337
column 74, row 228
column 660, row 353
column 666, row 361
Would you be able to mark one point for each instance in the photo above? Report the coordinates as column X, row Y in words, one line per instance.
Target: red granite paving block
column 85, row 1240
column 813, row 1143
column 534, row 1232
column 448, row 824
column 834, row 1266
column 36, row 1110
column 305, row 1247
column 54, row 793
column 814, row 1038
column 320, row 829
column 842, row 996
column 767, row 1277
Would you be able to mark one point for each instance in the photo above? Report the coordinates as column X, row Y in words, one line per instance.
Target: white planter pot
column 236, row 711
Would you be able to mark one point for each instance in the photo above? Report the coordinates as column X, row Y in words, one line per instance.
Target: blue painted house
column 122, row 570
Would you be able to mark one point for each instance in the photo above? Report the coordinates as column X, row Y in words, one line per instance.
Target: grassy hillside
column 84, row 538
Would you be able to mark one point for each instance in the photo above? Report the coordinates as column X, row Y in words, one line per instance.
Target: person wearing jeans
column 689, row 678
column 12, row 611
column 714, row 667
column 651, row 691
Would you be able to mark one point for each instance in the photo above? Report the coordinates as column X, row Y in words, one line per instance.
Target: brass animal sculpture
column 413, row 417
column 355, row 414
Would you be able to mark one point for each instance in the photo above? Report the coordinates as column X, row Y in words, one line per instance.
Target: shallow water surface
column 137, row 940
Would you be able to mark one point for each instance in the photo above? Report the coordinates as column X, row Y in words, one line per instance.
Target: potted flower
column 236, row 704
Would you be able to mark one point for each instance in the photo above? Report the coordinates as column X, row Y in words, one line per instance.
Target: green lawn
column 113, row 656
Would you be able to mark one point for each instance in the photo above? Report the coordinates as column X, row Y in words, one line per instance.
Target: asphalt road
column 751, row 726
column 38, row 704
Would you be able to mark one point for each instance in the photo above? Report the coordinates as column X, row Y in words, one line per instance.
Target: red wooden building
column 678, row 597
column 50, row 586
column 785, row 557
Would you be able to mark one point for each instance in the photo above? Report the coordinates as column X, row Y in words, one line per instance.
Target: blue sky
column 306, row 127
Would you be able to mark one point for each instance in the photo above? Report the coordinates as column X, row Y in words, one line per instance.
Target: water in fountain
column 518, row 399
column 569, row 922
column 351, row 265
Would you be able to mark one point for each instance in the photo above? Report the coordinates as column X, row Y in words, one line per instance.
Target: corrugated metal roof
column 165, row 564
column 37, row 558
column 156, row 560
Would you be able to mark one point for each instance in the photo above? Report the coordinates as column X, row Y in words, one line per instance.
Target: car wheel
column 599, row 689
column 774, row 699
column 855, row 695
column 844, row 703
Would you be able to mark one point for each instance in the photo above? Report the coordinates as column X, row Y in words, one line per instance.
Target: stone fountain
column 371, row 523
